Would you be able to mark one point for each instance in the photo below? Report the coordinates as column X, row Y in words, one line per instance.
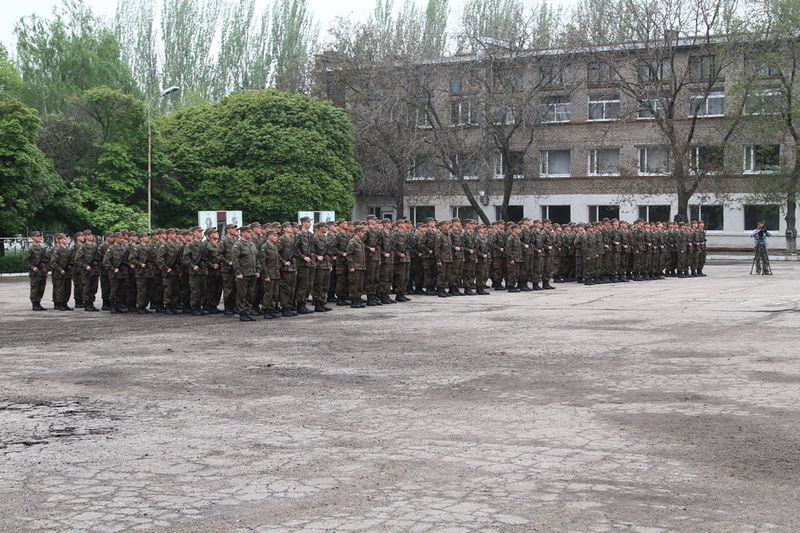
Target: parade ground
column 653, row 406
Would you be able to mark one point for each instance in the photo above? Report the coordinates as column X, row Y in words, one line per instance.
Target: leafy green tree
column 71, row 52
column 27, row 181
column 10, row 82
column 99, row 148
column 268, row 153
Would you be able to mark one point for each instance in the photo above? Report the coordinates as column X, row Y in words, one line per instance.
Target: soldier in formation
column 272, row 270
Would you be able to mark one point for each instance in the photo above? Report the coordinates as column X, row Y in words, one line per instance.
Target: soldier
column 287, row 249
column 60, row 273
column 114, row 261
column 579, row 251
column 269, row 262
column 258, row 239
column 156, row 288
column 304, row 263
column 386, row 244
column 75, row 269
column 443, row 252
column 417, row 272
column 105, row 278
column 343, row 236
column 374, row 253
column 214, row 262
column 36, row 259
column 497, row 247
column 130, row 239
column 245, row 267
column 470, row 244
column 702, row 240
column 403, row 250
column 513, row 254
column 226, row 269
column 322, row 267
column 524, row 266
column 428, row 242
column 167, row 258
column 142, row 256
column 88, row 265
column 484, row 259
column 357, row 267
column 194, row 261
column 682, row 245
column 457, row 267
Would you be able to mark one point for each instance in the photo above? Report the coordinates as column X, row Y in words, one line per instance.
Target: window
column 762, row 158
column 653, row 160
column 419, row 213
column 501, row 115
column 702, row 68
column 557, row 213
column 421, row 119
column 652, row 107
column 654, row 213
column 515, row 213
column 654, row 70
column 760, row 67
column 466, row 166
column 712, row 105
column 705, row 159
column 515, row 165
column 604, row 162
column 463, row 112
column 711, row 215
column 508, row 80
column 553, row 75
column 770, row 214
column 422, row 168
column 464, row 211
column 374, row 210
column 555, row 109
column 604, row 106
column 555, row 163
column 599, row 212
column 764, row 102
column 602, row 73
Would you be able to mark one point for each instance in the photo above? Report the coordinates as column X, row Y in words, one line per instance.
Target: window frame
column 500, row 176
column 412, row 213
column 591, row 161
column 766, row 92
column 750, row 155
column 639, row 150
column 693, row 107
column 546, row 215
column 545, row 109
column 594, row 212
column 414, row 164
column 777, row 216
column 698, row 214
column 694, row 159
column 544, row 159
column 647, row 207
column 605, row 103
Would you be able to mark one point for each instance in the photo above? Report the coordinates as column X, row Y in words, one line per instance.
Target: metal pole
column 149, row 169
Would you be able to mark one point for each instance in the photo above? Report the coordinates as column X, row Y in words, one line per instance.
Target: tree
column 266, row 152
column 676, row 89
column 772, row 110
column 98, row 147
column 27, row 180
column 10, row 82
column 65, row 55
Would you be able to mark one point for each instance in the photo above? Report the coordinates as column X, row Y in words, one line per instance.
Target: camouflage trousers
column 90, row 281
column 38, row 284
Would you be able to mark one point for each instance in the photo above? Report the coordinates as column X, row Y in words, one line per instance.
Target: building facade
column 591, row 138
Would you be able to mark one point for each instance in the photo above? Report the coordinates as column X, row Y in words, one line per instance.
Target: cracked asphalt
column 656, row 406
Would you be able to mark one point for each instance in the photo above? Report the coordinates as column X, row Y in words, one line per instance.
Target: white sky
column 325, row 11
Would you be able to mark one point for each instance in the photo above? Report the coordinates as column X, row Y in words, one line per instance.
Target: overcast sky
column 325, row 11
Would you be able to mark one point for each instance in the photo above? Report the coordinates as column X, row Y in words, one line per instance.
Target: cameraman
column 760, row 235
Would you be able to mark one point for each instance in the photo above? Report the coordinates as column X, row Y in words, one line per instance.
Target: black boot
column 342, row 302
column 212, row 309
column 536, row 286
column 170, row 310
column 244, row 317
column 228, row 311
column 37, row 306
column 114, row 309
column 385, row 299
column 78, row 304
column 700, row 273
column 143, row 311
column 455, row 292
column 469, row 292
column 106, row 306
column 268, row 314
column 303, row 310
column 288, row 313
column 90, row 307
column 443, row 293
column 318, row 307
column 482, row 292
column 196, row 311
column 514, row 289
column 357, row 305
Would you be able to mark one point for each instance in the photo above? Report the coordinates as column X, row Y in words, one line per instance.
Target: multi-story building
column 590, row 144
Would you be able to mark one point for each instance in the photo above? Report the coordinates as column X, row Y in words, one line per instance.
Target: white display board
column 219, row 219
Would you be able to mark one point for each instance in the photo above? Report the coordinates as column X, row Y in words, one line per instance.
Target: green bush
column 11, row 263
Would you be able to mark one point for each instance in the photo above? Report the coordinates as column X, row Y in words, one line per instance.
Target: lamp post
column 162, row 94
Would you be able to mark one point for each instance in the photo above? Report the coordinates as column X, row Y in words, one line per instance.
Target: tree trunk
column 473, row 202
column 791, row 223
column 683, row 203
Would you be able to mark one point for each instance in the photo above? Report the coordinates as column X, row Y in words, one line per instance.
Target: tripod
column 761, row 254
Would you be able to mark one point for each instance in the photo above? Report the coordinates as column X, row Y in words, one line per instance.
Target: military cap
column 694, row 222
column 107, row 233
column 556, row 225
column 254, row 225
column 500, row 221
column 341, row 221
column 546, row 221
column 87, row 232
column 305, row 219
column 117, row 234
column 231, row 226
column 360, row 228
column 211, row 230
column 319, row 225
column 430, row 219
column 605, row 219
column 587, row 226
column 196, row 228
column 470, row 221
column 421, row 224
column 275, row 225
column 60, row 236
column 247, row 229
column 481, row 226
column 512, row 225
column 371, row 217
column 287, row 224
column 456, row 219
column 78, row 234
column 271, row 232
column 597, row 223
column 444, row 222
column 386, row 221
column 143, row 235
column 614, row 220
column 36, row 234
column 296, row 225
